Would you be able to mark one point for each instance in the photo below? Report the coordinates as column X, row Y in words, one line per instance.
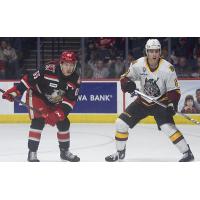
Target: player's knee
column 169, row 129
column 63, row 125
column 121, row 126
column 38, row 123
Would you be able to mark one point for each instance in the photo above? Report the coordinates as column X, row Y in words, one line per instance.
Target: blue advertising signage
column 19, row 108
column 97, row 97
column 94, row 97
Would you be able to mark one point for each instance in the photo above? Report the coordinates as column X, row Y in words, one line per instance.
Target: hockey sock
column 121, row 135
column 64, row 139
column 175, row 136
column 36, row 128
column 121, row 139
column 34, row 139
column 63, row 134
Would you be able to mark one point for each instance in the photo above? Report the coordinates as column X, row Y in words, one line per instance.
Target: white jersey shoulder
column 135, row 69
column 154, row 83
column 166, row 66
column 141, row 64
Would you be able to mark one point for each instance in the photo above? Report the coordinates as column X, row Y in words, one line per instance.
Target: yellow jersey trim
column 149, row 68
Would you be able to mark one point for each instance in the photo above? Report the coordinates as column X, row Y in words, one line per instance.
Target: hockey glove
column 171, row 110
column 11, row 93
column 127, row 85
column 53, row 117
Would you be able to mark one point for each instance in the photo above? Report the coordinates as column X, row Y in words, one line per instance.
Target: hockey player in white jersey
column 158, row 80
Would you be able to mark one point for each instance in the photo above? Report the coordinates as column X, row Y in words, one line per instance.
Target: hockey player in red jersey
column 159, row 81
column 53, row 90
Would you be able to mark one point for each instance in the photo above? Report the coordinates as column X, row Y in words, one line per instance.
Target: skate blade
column 63, row 160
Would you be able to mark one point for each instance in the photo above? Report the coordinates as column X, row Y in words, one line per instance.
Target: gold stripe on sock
column 123, row 136
column 176, row 136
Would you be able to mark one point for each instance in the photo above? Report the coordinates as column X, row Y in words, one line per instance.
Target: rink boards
column 98, row 102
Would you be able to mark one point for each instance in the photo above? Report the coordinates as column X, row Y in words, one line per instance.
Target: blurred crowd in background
column 13, row 51
column 103, row 57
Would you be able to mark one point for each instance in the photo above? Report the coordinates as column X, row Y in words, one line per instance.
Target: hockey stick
column 164, row 106
column 24, row 104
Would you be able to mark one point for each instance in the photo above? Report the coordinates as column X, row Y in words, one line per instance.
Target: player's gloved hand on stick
column 134, row 93
column 170, row 109
column 54, row 116
column 127, row 85
column 11, row 93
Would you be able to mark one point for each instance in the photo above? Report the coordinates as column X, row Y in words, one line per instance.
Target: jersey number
column 36, row 75
column 176, row 83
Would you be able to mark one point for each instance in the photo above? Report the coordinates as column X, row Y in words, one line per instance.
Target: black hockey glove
column 171, row 110
column 127, row 85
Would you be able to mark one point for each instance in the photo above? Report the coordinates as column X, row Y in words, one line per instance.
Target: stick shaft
column 164, row 106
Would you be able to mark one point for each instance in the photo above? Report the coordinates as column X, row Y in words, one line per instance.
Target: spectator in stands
column 119, row 44
column 183, row 48
column 117, row 68
column 2, row 64
column 189, row 106
column 130, row 59
column 197, row 102
column 105, row 47
column 196, row 73
column 100, row 70
column 12, row 70
column 173, row 59
column 90, row 49
column 92, row 59
column 105, row 42
column 196, row 51
column 136, row 45
column 88, row 72
column 165, row 53
column 182, row 68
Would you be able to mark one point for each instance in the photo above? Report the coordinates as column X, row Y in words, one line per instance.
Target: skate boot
column 32, row 157
column 118, row 156
column 187, row 156
column 66, row 155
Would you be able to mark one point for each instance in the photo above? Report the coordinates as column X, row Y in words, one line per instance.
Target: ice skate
column 66, row 155
column 32, row 157
column 118, row 156
column 187, row 156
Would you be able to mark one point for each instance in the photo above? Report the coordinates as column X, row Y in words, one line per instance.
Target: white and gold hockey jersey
column 154, row 83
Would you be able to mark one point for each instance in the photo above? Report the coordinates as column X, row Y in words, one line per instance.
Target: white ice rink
column 92, row 142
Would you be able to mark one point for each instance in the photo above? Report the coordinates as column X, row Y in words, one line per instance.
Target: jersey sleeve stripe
column 68, row 102
column 71, row 85
column 25, row 83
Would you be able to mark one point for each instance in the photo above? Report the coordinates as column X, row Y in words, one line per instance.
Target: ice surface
column 92, row 142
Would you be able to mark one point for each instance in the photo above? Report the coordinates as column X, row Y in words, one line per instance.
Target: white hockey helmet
column 152, row 44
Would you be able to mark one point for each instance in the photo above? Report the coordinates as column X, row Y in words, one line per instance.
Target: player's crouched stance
column 52, row 90
column 158, row 80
